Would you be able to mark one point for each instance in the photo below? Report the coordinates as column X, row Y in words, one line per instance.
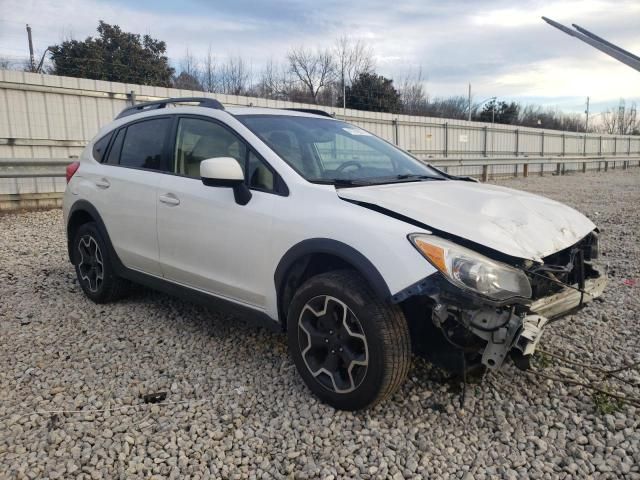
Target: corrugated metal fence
column 50, row 117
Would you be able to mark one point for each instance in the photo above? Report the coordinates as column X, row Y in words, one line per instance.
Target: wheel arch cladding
column 82, row 212
column 290, row 272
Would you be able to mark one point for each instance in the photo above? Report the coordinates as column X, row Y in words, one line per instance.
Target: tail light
column 72, row 168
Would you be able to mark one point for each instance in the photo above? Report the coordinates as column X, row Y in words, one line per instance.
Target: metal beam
column 596, row 42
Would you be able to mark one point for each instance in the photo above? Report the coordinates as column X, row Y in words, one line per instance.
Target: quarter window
column 100, row 147
column 114, row 153
column 259, row 175
column 144, row 144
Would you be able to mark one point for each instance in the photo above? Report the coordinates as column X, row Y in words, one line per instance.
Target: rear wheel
column 94, row 269
column 352, row 349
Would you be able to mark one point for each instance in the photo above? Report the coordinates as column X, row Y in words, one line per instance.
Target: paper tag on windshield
column 356, row 131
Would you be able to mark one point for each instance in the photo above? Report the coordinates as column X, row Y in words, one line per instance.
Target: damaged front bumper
column 510, row 329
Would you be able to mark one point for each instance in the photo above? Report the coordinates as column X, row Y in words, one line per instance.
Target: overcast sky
column 502, row 47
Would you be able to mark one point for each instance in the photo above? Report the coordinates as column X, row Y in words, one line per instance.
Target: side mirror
column 225, row 172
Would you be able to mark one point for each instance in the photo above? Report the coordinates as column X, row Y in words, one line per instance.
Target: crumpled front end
column 492, row 330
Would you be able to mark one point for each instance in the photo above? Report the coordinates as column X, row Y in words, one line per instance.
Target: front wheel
column 352, row 349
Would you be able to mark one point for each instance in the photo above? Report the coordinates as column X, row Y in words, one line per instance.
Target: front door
column 208, row 241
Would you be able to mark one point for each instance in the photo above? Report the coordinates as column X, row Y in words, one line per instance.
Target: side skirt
column 253, row 316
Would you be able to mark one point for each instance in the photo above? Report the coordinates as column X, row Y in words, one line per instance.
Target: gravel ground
column 235, row 407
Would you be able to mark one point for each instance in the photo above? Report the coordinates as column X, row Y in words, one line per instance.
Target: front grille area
column 570, row 266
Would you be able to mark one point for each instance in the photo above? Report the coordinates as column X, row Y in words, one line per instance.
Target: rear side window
column 100, row 147
column 143, row 144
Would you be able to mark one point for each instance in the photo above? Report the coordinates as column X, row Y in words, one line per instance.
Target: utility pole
column 469, row 101
column 32, row 62
column 586, row 122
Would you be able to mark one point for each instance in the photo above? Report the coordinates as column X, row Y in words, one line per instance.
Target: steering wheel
column 350, row 163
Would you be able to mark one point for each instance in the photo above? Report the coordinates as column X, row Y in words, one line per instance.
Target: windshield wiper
column 361, row 182
column 343, row 182
column 412, row 176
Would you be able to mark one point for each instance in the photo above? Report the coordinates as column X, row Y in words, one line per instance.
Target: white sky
column 501, row 47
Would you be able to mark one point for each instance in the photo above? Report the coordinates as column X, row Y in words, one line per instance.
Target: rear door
column 208, row 241
column 126, row 190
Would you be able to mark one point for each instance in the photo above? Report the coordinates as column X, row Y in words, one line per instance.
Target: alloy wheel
column 91, row 266
column 333, row 345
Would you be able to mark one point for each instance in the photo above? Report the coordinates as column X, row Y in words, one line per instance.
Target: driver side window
column 199, row 140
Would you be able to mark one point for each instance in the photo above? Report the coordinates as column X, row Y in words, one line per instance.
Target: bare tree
column 187, row 81
column 234, row 76
column 314, row 70
column 274, row 82
column 188, row 78
column 622, row 120
column 352, row 58
column 412, row 94
column 208, row 76
column 189, row 65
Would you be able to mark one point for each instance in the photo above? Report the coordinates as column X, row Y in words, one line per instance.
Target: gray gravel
column 235, row 407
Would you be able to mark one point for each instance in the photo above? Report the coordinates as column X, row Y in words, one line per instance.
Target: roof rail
column 314, row 111
column 143, row 107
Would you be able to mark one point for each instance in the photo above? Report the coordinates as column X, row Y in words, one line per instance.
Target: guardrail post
column 615, row 146
column 485, row 172
column 542, row 144
column 394, row 122
column 558, row 168
column 584, row 167
column 600, row 146
column 525, row 170
column 584, row 144
column 446, row 139
column 517, row 141
column 563, row 143
column 624, row 165
column 606, row 165
column 132, row 97
column 484, row 145
column 542, row 169
column 515, row 170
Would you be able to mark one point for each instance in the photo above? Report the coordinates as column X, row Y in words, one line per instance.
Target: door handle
column 169, row 199
column 103, row 183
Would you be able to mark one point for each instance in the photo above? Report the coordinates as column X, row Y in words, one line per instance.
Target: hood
column 515, row 223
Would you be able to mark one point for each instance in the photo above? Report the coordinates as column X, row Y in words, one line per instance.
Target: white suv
column 362, row 253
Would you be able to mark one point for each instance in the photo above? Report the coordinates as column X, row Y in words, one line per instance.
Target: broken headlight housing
column 472, row 271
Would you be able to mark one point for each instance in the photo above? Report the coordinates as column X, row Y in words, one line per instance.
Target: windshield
column 330, row 151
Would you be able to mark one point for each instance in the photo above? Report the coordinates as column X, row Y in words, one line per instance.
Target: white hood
column 516, row 223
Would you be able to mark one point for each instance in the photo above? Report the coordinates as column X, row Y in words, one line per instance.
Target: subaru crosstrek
column 360, row 252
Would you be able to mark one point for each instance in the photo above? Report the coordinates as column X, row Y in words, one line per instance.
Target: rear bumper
column 568, row 299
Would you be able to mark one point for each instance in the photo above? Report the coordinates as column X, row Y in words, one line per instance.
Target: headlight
column 468, row 269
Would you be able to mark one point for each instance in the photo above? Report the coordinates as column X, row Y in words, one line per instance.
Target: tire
column 352, row 349
column 93, row 265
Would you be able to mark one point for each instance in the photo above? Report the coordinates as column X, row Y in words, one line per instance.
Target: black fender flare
column 87, row 207
column 333, row 247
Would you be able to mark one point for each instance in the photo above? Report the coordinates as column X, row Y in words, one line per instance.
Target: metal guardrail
column 33, row 167
column 483, row 168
